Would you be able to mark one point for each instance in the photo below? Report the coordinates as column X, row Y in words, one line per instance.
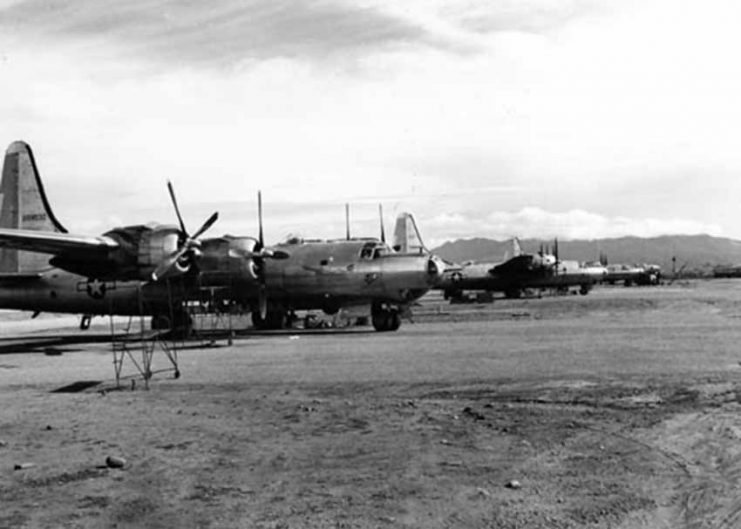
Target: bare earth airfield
column 617, row 409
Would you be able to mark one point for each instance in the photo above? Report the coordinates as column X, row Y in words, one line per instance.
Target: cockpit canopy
column 374, row 249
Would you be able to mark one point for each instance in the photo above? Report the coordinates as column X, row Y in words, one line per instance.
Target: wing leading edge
column 56, row 243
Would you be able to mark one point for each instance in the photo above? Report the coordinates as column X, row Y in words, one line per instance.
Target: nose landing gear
column 385, row 318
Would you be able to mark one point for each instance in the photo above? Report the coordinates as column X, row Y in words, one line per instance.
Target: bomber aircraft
column 522, row 271
column 43, row 268
column 127, row 270
column 333, row 274
column 645, row 274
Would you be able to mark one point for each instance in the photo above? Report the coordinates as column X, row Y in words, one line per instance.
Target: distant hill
column 697, row 253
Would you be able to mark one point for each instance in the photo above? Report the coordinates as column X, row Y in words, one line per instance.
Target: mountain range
column 697, row 254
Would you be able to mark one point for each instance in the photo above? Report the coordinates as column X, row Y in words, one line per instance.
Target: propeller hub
column 180, row 260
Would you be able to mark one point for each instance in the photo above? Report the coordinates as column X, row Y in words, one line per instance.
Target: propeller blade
column 380, row 215
column 168, row 263
column 347, row 221
column 206, row 225
column 177, row 210
column 262, row 302
column 262, row 295
column 259, row 220
column 188, row 245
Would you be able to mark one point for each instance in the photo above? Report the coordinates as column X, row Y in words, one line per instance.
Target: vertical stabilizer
column 23, row 206
column 516, row 250
column 406, row 235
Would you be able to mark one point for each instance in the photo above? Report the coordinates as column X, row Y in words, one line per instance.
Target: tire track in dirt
column 711, row 441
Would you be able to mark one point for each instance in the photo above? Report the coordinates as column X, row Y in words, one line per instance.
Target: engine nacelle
column 140, row 250
column 229, row 255
column 155, row 246
column 239, row 249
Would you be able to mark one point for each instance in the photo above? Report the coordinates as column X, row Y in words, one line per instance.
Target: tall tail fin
column 23, row 206
column 515, row 249
column 406, row 235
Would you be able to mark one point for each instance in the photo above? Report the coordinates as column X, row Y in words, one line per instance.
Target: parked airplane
column 125, row 270
column 646, row 274
column 332, row 274
column 520, row 272
column 43, row 268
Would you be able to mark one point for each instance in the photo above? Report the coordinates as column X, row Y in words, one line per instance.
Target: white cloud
column 627, row 112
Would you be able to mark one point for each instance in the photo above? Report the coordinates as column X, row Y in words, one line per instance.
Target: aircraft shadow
column 48, row 345
column 56, row 345
column 305, row 332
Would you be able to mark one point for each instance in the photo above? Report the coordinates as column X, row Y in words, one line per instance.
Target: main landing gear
column 385, row 318
column 179, row 324
column 274, row 320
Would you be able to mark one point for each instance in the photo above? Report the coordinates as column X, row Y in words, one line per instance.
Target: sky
column 534, row 118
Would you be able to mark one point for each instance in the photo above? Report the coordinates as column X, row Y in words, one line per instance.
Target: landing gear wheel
column 183, row 325
column 160, row 322
column 385, row 319
column 85, row 322
column 394, row 321
column 274, row 319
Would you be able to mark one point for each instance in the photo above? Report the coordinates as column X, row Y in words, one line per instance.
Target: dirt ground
column 619, row 409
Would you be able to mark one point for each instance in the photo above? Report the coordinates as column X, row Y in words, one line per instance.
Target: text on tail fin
column 406, row 235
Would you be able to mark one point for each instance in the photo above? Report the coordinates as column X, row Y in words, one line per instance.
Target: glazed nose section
column 435, row 269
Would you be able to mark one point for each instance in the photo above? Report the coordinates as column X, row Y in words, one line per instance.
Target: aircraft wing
column 514, row 266
column 56, row 243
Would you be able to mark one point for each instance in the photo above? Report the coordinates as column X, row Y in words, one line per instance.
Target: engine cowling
column 240, row 246
column 229, row 255
column 140, row 250
column 155, row 246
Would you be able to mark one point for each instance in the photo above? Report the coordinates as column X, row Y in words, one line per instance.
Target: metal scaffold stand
column 201, row 317
column 139, row 345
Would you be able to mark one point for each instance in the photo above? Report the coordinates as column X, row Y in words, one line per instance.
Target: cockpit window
column 380, row 251
column 374, row 250
column 367, row 251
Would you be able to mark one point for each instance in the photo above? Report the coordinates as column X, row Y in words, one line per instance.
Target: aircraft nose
column 435, row 268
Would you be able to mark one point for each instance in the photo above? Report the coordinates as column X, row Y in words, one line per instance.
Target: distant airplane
column 520, row 272
column 646, row 274
column 126, row 271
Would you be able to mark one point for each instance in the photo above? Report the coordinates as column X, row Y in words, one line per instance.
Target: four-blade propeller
column 259, row 254
column 189, row 247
